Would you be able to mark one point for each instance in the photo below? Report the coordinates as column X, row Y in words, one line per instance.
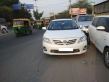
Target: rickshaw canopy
column 21, row 22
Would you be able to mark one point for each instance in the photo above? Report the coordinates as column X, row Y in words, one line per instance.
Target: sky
column 55, row 6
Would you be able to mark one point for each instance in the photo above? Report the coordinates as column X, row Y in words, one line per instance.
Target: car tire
column 3, row 30
column 88, row 40
column 106, row 57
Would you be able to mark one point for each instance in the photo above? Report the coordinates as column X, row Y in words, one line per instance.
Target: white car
column 3, row 29
column 64, row 37
column 99, row 35
column 84, row 21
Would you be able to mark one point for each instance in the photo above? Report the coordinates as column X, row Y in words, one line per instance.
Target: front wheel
column 88, row 39
column 106, row 57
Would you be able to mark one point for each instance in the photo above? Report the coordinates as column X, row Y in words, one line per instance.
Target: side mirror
column 43, row 28
column 101, row 28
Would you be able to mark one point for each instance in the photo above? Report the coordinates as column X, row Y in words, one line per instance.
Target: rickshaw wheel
column 17, row 35
column 30, row 31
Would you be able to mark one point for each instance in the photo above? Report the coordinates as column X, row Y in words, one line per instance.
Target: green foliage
column 37, row 15
column 6, row 12
column 8, row 2
column 64, row 14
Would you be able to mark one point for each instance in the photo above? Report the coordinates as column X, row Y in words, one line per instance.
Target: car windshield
column 62, row 25
column 85, row 18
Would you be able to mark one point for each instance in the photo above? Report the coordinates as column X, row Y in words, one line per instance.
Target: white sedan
column 64, row 37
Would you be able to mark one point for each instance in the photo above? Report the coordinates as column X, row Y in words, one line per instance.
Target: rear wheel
column 106, row 57
column 30, row 31
column 17, row 35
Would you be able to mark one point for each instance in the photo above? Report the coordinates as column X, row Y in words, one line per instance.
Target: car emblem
column 64, row 41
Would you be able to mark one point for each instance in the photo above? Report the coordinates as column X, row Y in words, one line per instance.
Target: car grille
column 57, row 51
column 64, row 42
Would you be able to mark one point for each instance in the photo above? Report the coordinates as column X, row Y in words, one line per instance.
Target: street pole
column 70, row 9
column 35, row 5
column 54, row 15
column 92, row 7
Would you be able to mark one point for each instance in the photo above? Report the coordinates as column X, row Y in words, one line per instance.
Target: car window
column 85, row 18
column 62, row 25
column 95, row 21
column 103, row 21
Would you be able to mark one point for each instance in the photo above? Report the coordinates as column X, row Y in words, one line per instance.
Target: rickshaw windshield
column 18, row 22
column 39, row 22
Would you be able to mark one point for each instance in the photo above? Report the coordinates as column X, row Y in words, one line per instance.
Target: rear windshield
column 38, row 22
column 18, row 22
column 85, row 18
column 2, row 20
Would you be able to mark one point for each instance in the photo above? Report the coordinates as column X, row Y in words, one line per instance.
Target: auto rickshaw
column 39, row 24
column 22, row 26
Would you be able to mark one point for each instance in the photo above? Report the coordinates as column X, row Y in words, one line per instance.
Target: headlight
column 46, row 40
column 83, row 38
column 82, row 27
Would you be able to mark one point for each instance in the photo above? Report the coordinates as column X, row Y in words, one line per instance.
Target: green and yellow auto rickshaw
column 22, row 26
column 39, row 24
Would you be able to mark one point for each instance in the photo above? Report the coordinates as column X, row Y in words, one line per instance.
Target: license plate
column 65, row 49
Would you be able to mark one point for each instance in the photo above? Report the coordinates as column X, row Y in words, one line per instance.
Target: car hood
column 64, row 33
column 85, row 23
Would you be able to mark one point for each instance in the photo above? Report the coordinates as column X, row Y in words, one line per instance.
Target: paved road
column 22, row 60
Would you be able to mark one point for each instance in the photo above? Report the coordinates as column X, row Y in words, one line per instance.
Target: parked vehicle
column 64, row 37
column 3, row 25
column 99, row 35
column 3, row 29
column 22, row 26
column 84, row 21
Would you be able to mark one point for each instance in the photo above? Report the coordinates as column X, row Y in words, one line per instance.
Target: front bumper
column 53, row 49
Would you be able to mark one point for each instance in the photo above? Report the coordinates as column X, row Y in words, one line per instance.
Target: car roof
column 61, row 19
column 86, row 15
column 102, row 16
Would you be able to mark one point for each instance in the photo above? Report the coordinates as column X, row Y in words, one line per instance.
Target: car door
column 92, row 30
column 101, row 36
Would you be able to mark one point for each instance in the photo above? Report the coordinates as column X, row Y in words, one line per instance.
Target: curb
column 6, row 33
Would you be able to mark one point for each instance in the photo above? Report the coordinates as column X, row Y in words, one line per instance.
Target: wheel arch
column 105, row 48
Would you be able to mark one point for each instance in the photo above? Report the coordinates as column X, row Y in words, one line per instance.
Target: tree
column 8, row 2
column 64, row 14
column 6, row 12
column 37, row 15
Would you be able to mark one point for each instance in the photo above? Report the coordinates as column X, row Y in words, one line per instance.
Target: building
column 101, row 8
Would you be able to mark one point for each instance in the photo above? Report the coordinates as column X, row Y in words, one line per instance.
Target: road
column 22, row 60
